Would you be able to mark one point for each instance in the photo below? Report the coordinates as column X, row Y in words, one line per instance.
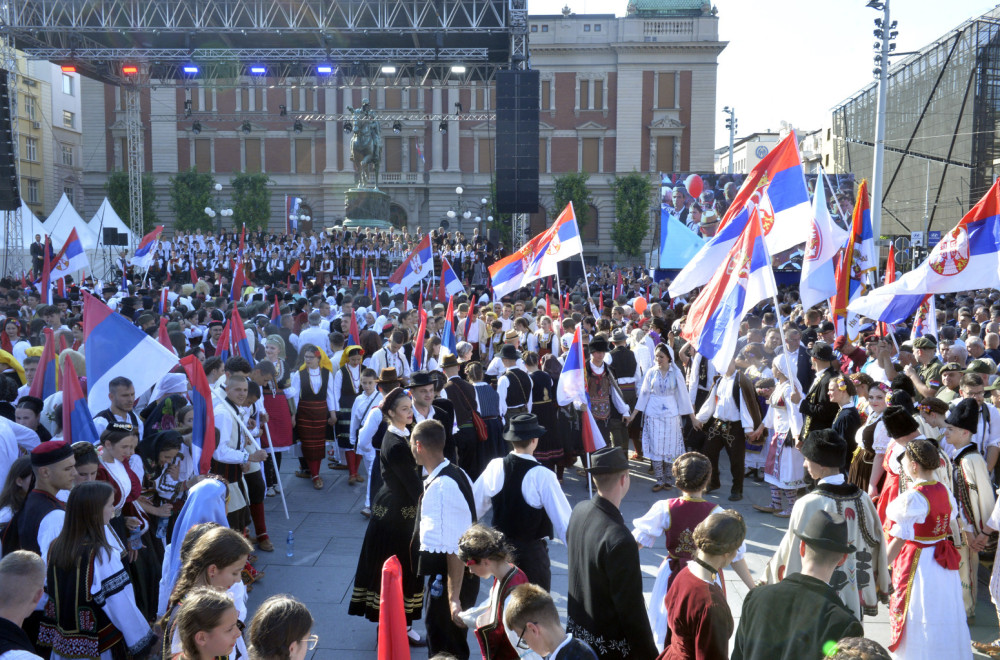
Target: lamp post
column 296, row 218
column 462, row 210
column 885, row 33
column 221, row 213
column 731, row 125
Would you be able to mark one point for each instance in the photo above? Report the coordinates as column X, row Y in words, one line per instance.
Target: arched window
column 589, row 230
column 397, row 216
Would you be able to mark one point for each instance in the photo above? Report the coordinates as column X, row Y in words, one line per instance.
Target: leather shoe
column 265, row 545
column 764, row 509
column 302, row 474
column 415, row 639
column 736, row 497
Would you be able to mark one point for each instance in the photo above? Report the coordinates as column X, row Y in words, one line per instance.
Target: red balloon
column 640, row 305
column 694, row 185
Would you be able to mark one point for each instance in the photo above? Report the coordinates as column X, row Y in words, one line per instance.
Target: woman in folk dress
column 783, row 466
column 663, row 399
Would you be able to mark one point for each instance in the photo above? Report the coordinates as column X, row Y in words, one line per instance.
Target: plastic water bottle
column 161, row 528
column 290, row 545
column 437, row 587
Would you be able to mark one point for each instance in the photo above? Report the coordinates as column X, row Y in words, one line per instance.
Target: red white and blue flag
column 539, row 256
column 239, row 279
column 71, row 258
column 144, row 251
column 856, row 268
column 776, row 189
column 925, row 319
column 450, row 284
column 826, row 239
column 354, row 332
column 44, row 383
column 238, row 337
column 77, row 422
column 115, row 347
column 417, row 362
column 46, row 281
column 276, row 313
column 448, row 339
column 203, row 427
column 164, row 302
column 572, row 389
column 163, row 336
column 744, row 279
column 417, row 265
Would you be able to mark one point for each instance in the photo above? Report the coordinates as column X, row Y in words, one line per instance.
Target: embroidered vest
column 493, row 640
column 935, row 526
column 685, row 515
column 599, row 388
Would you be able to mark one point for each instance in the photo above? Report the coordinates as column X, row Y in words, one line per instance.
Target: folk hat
column 619, row 337
column 449, row 360
column 523, row 427
column 826, row 530
column 898, row 422
column 965, row 415
column 822, row 351
column 50, row 453
column 825, row 447
column 607, row 460
column 599, row 345
column 510, row 352
column 388, row 376
column 421, row 379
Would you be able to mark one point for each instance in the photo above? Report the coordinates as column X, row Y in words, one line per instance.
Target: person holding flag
column 603, row 391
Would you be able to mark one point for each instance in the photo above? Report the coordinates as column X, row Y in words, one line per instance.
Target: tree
column 632, row 199
column 251, row 200
column 572, row 187
column 190, row 195
column 116, row 188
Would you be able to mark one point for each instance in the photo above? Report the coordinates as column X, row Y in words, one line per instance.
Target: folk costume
column 312, row 415
column 602, row 388
column 236, row 443
column 729, row 413
column 783, row 468
column 663, row 400
column 818, row 412
column 346, row 388
column 550, row 450
column 700, row 622
column 492, row 636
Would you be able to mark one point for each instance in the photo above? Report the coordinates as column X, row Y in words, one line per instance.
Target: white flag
column 826, row 239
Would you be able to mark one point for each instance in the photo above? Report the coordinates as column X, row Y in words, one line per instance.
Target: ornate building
column 616, row 95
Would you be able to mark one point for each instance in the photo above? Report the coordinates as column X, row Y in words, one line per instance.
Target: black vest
column 22, row 532
column 518, row 388
column 512, row 515
column 347, row 392
column 13, row 638
column 436, row 563
column 623, row 362
column 306, row 393
column 110, row 417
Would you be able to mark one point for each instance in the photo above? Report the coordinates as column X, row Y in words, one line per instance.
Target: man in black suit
column 605, row 607
column 800, row 616
column 818, row 412
column 799, row 356
column 462, row 395
column 37, row 251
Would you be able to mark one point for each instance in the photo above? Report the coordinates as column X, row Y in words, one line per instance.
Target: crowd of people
column 880, row 455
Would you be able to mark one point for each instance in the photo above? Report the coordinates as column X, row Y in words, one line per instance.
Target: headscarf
column 8, row 360
column 206, row 502
column 171, row 383
column 278, row 341
column 324, row 361
column 150, row 447
column 345, row 354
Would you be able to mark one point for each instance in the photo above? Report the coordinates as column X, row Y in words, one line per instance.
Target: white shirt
column 723, row 405
column 315, row 382
column 444, row 513
column 502, row 384
column 13, row 436
column 540, row 490
column 338, row 383
column 367, row 433
column 101, row 424
column 316, row 336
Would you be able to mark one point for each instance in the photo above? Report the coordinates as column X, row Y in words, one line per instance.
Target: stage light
column 348, row 127
column 458, row 107
column 187, row 108
column 324, row 69
column 397, row 127
column 443, row 127
column 68, row 68
column 458, row 68
column 190, row 69
column 388, row 69
column 258, row 70
column 196, row 128
column 130, row 69
column 297, row 126
column 246, row 128
column 282, row 111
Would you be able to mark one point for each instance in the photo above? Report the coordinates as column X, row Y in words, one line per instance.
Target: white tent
column 30, row 225
column 106, row 218
column 63, row 220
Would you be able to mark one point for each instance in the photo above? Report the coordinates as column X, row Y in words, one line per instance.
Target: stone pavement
column 329, row 530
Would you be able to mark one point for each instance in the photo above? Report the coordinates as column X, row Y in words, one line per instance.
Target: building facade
column 617, row 95
column 747, row 152
column 942, row 149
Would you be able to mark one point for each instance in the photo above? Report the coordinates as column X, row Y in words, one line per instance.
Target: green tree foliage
column 251, row 200
column 632, row 198
column 572, row 187
column 116, row 188
column 190, row 194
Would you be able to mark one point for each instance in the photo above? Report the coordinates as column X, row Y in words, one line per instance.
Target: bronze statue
column 366, row 146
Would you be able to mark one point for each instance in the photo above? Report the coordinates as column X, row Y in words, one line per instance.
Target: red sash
column 903, row 568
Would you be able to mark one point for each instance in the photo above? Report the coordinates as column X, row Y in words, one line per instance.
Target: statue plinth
column 366, row 207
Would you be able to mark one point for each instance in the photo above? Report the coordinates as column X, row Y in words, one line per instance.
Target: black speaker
column 110, row 236
column 517, row 141
column 10, row 199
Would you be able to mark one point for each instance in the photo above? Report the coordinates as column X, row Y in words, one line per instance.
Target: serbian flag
column 557, row 243
column 418, row 342
column 450, row 284
column 354, row 334
column 372, row 292
column 61, row 288
column 77, row 422
column 925, row 319
column 238, row 280
column 776, row 190
column 448, row 339
column 114, row 347
column 742, row 281
column 203, row 431
column 417, row 265
column 71, row 258
column 164, row 302
column 225, row 346
column 46, row 282
column 276, row 313
column 885, row 329
column 572, row 388
column 238, row 337
column 144, row 251
column 469, row 318
column 856, row 267
column 818, row 281
column 164, row 337
column 44, row 383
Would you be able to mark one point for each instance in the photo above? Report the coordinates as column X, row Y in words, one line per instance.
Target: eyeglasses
column 520, row 638
column 311, row 641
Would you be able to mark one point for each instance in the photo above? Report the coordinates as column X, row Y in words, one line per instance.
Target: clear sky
column 794, row 60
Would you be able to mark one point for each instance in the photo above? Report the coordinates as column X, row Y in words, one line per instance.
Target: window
column 485, row 155
column 665, row 90
column 32, row 185
column 303, row 156
column 586, row 27
column 416, row 164
column 545, row 28
column 534, row 28
column 597, row 27
column 664, row 154
column 393, row 154
column 588, row 232
column 67, row 154
column 584, row 103
column 546, row 95
column 543, row 148
column 29, row 108
column 69, row 119
column 251, row 150
column 68, row 191
column 203, row 155
column 67, row 84
column 598, row 94
column 31, row 149
column 589, row 155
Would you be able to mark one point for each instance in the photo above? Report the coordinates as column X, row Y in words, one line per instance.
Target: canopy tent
column 63, row 220
column 106, row 218
column 30, row 226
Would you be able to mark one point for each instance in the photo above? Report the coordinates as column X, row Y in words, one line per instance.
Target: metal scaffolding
column 13, row 232
column 133, row 139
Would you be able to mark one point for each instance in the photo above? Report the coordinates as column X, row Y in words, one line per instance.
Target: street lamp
column 885, row 33
column 221, row 213
column 731, row 126
column 463, row 211
column 300, row 217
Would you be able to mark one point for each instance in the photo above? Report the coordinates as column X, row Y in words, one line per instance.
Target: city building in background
column 747, row 152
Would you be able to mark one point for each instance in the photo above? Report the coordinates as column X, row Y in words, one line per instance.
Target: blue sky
column 794, row 60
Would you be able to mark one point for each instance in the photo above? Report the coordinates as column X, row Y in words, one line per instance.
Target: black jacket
column 792, row 620
column 605, row 605
column 818, row 412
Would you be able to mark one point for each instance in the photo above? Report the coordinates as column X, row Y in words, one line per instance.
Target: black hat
column 825, row 447
column 898, row 422
column 50, row 453
column 607, row 460
column 822, row 351
column 965, row 415
column 523, row 427
column 599, row 344
column 827, row 326
column 421, row 378
column 827, row 531
column 510, row 352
